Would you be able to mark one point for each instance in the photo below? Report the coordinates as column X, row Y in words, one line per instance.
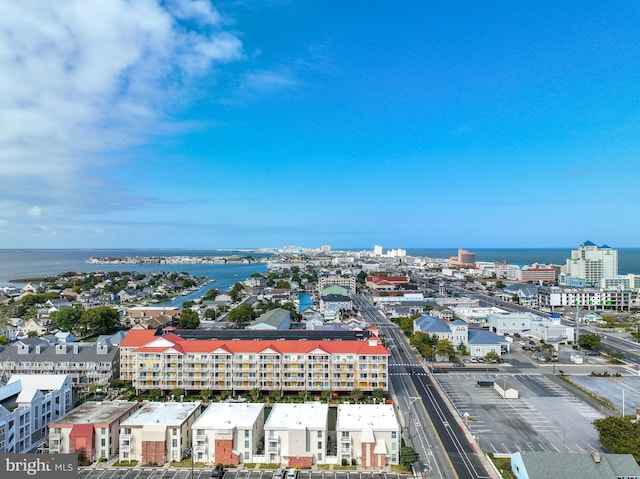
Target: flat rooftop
column 229, row 415
column 298, row 416
column 98, row 412
column 379, row 417
column 162, row 413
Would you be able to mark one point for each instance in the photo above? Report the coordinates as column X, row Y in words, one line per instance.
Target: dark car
column 532, row 342
column 575, row 347
column 516, row 335
column 592, row 352
column 217, row 472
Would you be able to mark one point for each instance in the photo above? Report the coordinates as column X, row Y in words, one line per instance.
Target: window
column 174, row 443
column 319, row 434
column 393, row 434
column 103, row 442
column 319, row 456
column 319, row 444
column 246, row 444
column 246, row 433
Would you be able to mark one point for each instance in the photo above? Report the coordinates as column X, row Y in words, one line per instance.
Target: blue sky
column 202, row 124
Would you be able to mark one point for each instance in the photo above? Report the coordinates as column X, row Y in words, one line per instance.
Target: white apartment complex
column 169, row 362
column 228, row 433
column 158, row 432
column 28, row 404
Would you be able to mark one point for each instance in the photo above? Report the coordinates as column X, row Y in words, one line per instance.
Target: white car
column 292, row 473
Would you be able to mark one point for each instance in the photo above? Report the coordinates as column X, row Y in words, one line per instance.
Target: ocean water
column 28, row 263
column 19, row 264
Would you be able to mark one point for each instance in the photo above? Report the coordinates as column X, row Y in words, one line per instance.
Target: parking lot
column 174, row 473
column 545, row 417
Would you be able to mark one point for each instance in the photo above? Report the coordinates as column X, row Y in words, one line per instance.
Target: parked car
column 278, row 474
column 532, row 342
column 292, row 473
column 575, row 347
column 592, row 352
column 516, row 335
column 217, row 472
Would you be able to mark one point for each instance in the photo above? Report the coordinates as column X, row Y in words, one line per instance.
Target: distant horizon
column 333, row 248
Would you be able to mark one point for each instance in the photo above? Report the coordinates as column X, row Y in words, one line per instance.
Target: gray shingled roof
column 554, row 464
column 430, row 324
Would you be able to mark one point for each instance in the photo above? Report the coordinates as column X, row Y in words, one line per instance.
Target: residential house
column 274, row 319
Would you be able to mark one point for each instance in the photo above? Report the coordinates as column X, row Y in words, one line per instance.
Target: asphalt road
column 429, row 426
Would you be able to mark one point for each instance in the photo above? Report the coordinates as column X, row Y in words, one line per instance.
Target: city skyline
column 196, row 124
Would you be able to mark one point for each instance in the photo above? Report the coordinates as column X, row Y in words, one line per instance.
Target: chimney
column 595, row 456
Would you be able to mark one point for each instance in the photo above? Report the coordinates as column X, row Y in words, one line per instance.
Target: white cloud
column 82, row 80
column 35, row 211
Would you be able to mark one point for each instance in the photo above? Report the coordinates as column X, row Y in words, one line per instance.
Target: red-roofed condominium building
column 169, row 362
column 387, row 285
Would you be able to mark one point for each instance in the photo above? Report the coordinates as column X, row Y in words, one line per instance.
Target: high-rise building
column 592, row 263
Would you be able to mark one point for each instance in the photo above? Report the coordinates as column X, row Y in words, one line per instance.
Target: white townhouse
column 369, row 433
column 228, row 433
column 91, row 429
column 28, row 404
column 158, row 432
column 295, row 435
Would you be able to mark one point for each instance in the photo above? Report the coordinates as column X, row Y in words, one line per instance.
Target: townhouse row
column 293, row 435
column 169, row 362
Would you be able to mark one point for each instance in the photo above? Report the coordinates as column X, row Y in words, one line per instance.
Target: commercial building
column 348, row 282
column 553, row 297
column 296, row 434
column 368, row 433
column 591, row 263
column 169, row 362
column 274, row 319
column 92, row 429
column 228, row 433
column 158, row 432
column 28, row 404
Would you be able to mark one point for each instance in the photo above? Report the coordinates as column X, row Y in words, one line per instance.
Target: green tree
column 242, row 314
column 408, row 456
column 236, row 291
column 589, row 341
column 619, row 435
column 211, row 295
column 3, row 340
column 67, row 319
column 445, row 349
column 492, row 356
column 210, row 314
column 99, row 320
column 188, row 319
column 283, row 284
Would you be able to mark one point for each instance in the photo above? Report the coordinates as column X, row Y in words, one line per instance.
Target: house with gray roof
column 274, row 319
column 477, row 341
column 594, row 465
